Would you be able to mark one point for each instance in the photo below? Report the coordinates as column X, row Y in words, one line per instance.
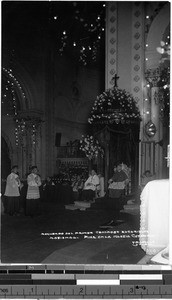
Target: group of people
column 82, row 190
column 13, row 192
column 92, row 186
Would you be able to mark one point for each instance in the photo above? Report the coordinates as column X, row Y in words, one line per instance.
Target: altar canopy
column 115, row 119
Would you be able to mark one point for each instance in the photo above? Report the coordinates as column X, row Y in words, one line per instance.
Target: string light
column 128, row 111
column 88, row 46
column 11, row 87
column 10, row 74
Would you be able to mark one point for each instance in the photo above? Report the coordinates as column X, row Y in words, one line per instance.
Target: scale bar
column 97, row 282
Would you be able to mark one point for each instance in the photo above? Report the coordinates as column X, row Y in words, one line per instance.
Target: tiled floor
column 22, row 241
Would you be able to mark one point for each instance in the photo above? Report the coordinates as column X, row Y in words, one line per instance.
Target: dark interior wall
column 75, row 90
column 62, row 84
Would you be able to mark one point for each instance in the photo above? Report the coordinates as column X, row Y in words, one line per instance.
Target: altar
column 154, row 216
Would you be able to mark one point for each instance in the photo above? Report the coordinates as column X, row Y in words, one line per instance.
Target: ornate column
column 138, row 61
column 111, row 42
column 154, row 126
column 28, row 126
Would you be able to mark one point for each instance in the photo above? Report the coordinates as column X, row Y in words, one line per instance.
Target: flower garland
column 91, row 147
column 114, row 105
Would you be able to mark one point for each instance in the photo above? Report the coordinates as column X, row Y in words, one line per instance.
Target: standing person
column 12, row 193
column 116, row 198
column 33, row 193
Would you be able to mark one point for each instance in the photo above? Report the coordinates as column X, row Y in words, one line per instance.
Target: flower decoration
column 164, row 50
column 91, row 147
column 114, row 105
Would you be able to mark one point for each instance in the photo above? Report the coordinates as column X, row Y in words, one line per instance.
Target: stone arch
column 155, row 35
column 27, row 91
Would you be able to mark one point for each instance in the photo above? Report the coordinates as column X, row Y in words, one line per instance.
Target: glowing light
column 74, row 44
column 55, row 17
column 64, row 32
column 146, row 58
column 147, row 112
column 147, row 17
column 146, row 45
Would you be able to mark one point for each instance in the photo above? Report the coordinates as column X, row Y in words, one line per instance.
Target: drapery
column 154, row 216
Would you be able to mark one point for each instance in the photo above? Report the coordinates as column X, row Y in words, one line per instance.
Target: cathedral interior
column 84, row 85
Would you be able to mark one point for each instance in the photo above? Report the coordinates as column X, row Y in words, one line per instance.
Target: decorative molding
column 137, row 51
column 111, row 42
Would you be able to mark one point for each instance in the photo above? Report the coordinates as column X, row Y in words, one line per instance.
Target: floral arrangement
column 114, row 105
column 91, row 147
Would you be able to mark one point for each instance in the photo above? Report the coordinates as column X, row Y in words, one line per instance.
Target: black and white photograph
column 85, row 132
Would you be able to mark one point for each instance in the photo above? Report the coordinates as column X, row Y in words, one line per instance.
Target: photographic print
column 85, row 101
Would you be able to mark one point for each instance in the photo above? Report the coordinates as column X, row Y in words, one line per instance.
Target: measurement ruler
column 93, row 291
